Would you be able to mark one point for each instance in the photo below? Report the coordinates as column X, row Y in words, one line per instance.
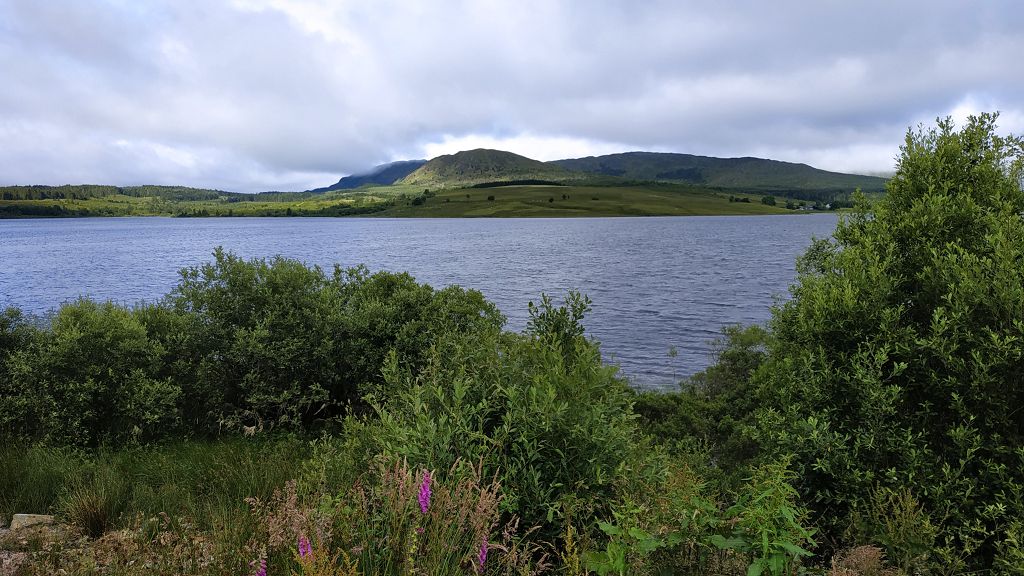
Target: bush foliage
column 238, row 345
column 538, row 409
column 899, row 362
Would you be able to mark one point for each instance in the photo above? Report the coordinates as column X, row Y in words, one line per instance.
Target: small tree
column 899, row 362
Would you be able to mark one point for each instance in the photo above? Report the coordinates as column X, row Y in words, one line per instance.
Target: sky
column 253, row 95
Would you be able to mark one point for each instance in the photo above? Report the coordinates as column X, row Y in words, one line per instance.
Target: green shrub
column 15, row 335
column 714, row 410
column 277, row 343
column 1010, row 552
column 238, row 346
column 895, row 520
column 92, row 377
column 264, row 349
column 662, row 523
column 386, row 312
column 13, row 330
column 539, row 409
column 768, row 522
column 899, row 360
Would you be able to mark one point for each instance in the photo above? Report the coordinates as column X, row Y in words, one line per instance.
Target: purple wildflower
column 425, row 493
column 305, row 549
column 261, row 569
column 481, row 557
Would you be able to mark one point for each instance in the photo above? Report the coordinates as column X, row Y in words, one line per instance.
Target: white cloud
column 542, row 148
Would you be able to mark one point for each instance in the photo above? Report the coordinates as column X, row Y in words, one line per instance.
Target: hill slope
column 741, row 173
column 571, row 200
column 384, row 175
column 481, row 166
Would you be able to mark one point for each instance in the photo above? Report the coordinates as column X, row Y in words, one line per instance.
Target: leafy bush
column 663, row 523
column 15, row 334
column 538, row 409
column 91, row 378
column 895, row 520
column 263, row 349
column 899, row 362
column 386, row 312
column 714, row 409
column 768, row 522
column 239, row 345
column 278, row 343
column 1010, row 552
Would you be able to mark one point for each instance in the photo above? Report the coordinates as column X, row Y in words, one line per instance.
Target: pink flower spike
column 305, row 549
column 481, row 557
column 262, row 569
column 425, row 493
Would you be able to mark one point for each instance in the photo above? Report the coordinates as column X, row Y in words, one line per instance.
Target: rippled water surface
column 656, row 283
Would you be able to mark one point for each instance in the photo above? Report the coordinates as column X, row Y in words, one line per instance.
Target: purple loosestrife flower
column 261, row 568
column 481, row 557
column 304, row 547
column 425, row 493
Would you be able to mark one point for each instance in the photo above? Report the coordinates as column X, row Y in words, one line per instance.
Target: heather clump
column 861, row 561
column 397, row 520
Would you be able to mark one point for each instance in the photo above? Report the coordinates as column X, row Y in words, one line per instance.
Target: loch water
column 657, row 284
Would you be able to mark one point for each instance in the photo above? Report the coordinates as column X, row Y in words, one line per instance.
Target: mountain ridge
column 382, row 174
column 745, row 172
column 482, row 166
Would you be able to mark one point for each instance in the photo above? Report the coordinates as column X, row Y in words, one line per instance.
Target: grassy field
column 331, row 204
column 416, row 201
column 568, row 201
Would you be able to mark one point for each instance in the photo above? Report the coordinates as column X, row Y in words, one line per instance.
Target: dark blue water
column 656, row 283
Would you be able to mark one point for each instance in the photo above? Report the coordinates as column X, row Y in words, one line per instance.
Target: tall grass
column 204, row 481
column 32, row 478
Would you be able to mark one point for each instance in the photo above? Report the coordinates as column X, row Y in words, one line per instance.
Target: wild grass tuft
column 33, row 477
column 95, row 502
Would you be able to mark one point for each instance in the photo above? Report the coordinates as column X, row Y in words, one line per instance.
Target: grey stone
column 26, row 520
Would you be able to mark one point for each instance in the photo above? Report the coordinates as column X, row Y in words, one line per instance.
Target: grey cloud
column 258, row 96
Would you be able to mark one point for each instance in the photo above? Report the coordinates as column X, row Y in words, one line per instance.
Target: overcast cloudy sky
column 252, row 95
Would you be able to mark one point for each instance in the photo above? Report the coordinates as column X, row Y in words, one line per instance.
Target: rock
column 26, row 520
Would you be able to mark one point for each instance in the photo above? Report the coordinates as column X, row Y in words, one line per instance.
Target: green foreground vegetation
column 270, row 418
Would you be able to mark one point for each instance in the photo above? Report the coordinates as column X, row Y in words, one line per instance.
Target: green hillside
column 482, row 182
column 736, row 173
column 577, row 200
column 473, row 167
